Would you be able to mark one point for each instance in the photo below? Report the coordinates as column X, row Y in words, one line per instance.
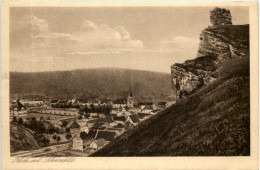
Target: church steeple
column 130, row 94
column 130, row 98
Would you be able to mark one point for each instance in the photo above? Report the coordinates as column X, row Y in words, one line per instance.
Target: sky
column 142, row 38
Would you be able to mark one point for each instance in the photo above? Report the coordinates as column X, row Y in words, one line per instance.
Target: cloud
column 32, row 25
column 32, row 33
column 22, row 31
column 104, row 38
column 87, row 26
column 56, row 42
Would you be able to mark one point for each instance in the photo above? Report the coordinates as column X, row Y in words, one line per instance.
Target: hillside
column 212, row 121
column 102, row 83
column 21, row 139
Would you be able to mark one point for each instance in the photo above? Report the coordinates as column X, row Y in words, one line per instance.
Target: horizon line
column 94, row 68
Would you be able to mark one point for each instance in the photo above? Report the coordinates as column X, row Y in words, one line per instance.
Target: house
column 61, row 102
column 47, row 101
column 106, row 102
column 17, row 109
column 161, row 105
column 141, row 105
column 134, row 119
column 59, row 123
column 94, row 115
column 123, row 113
column 120, row 118
column 105, row 134
column 32, row 103
column 119, row 125
column 99, row 125
column 76, row 102
column 97, row 144
column 143, row 116
column 92, row 134
column 151, row 104
column 148, row 109
column 73, row 127
column 114, row 111
column 118, row 131
column 53, row 102
column 77, row 143
column 128, row 113
column 84, row 102
column 169, row 103
column 113, row 124
column 106, row 120
column 119, row 103
column 96, row 102
column 84, row 129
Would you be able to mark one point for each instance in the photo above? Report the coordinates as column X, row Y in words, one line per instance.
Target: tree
column 79, row 117
column 40, row 127
column 46, row 141
column 54, row 137
column 57, row 130
column 83, row 135
column 87, row 115
column 14, row 120
column 51, row 129
column 68, row 136
column 64, row 123
column 20, row 121
column 58, row 139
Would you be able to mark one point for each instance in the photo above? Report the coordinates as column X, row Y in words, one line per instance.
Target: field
column 45, row 116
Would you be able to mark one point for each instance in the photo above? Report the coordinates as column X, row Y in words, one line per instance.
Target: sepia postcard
column 129, row 85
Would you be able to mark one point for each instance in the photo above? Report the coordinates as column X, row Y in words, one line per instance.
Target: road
column 42, row 151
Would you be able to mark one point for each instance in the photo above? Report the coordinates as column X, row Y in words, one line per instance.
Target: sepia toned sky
column 143, row 38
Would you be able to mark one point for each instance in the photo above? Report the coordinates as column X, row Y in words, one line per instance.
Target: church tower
column 130, row 98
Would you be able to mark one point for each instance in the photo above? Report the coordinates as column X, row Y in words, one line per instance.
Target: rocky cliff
column 219, row 42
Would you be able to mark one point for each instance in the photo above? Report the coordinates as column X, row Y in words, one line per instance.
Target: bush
column 68, row 136
column 14, row 120
column 83, row 135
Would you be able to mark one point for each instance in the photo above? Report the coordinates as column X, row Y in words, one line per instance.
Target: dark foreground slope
column 213, row 121
column 21, row 139
column 99, row 83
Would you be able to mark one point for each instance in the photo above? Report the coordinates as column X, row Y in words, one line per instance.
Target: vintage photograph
column 129, row 81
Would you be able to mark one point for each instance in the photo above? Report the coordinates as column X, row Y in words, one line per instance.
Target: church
column 130, row 98
column 121, row 103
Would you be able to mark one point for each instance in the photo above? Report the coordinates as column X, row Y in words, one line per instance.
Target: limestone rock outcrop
column 220, row 17
column 218, row 43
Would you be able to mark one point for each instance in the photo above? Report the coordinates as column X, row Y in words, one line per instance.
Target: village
column 76, row 127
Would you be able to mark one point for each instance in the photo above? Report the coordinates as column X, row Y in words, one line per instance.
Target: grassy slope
column 213, row 121
column 101, row 83
column 21, row 139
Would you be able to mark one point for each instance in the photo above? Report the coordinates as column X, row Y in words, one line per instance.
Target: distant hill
column 109, row 83
column 214, row 121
